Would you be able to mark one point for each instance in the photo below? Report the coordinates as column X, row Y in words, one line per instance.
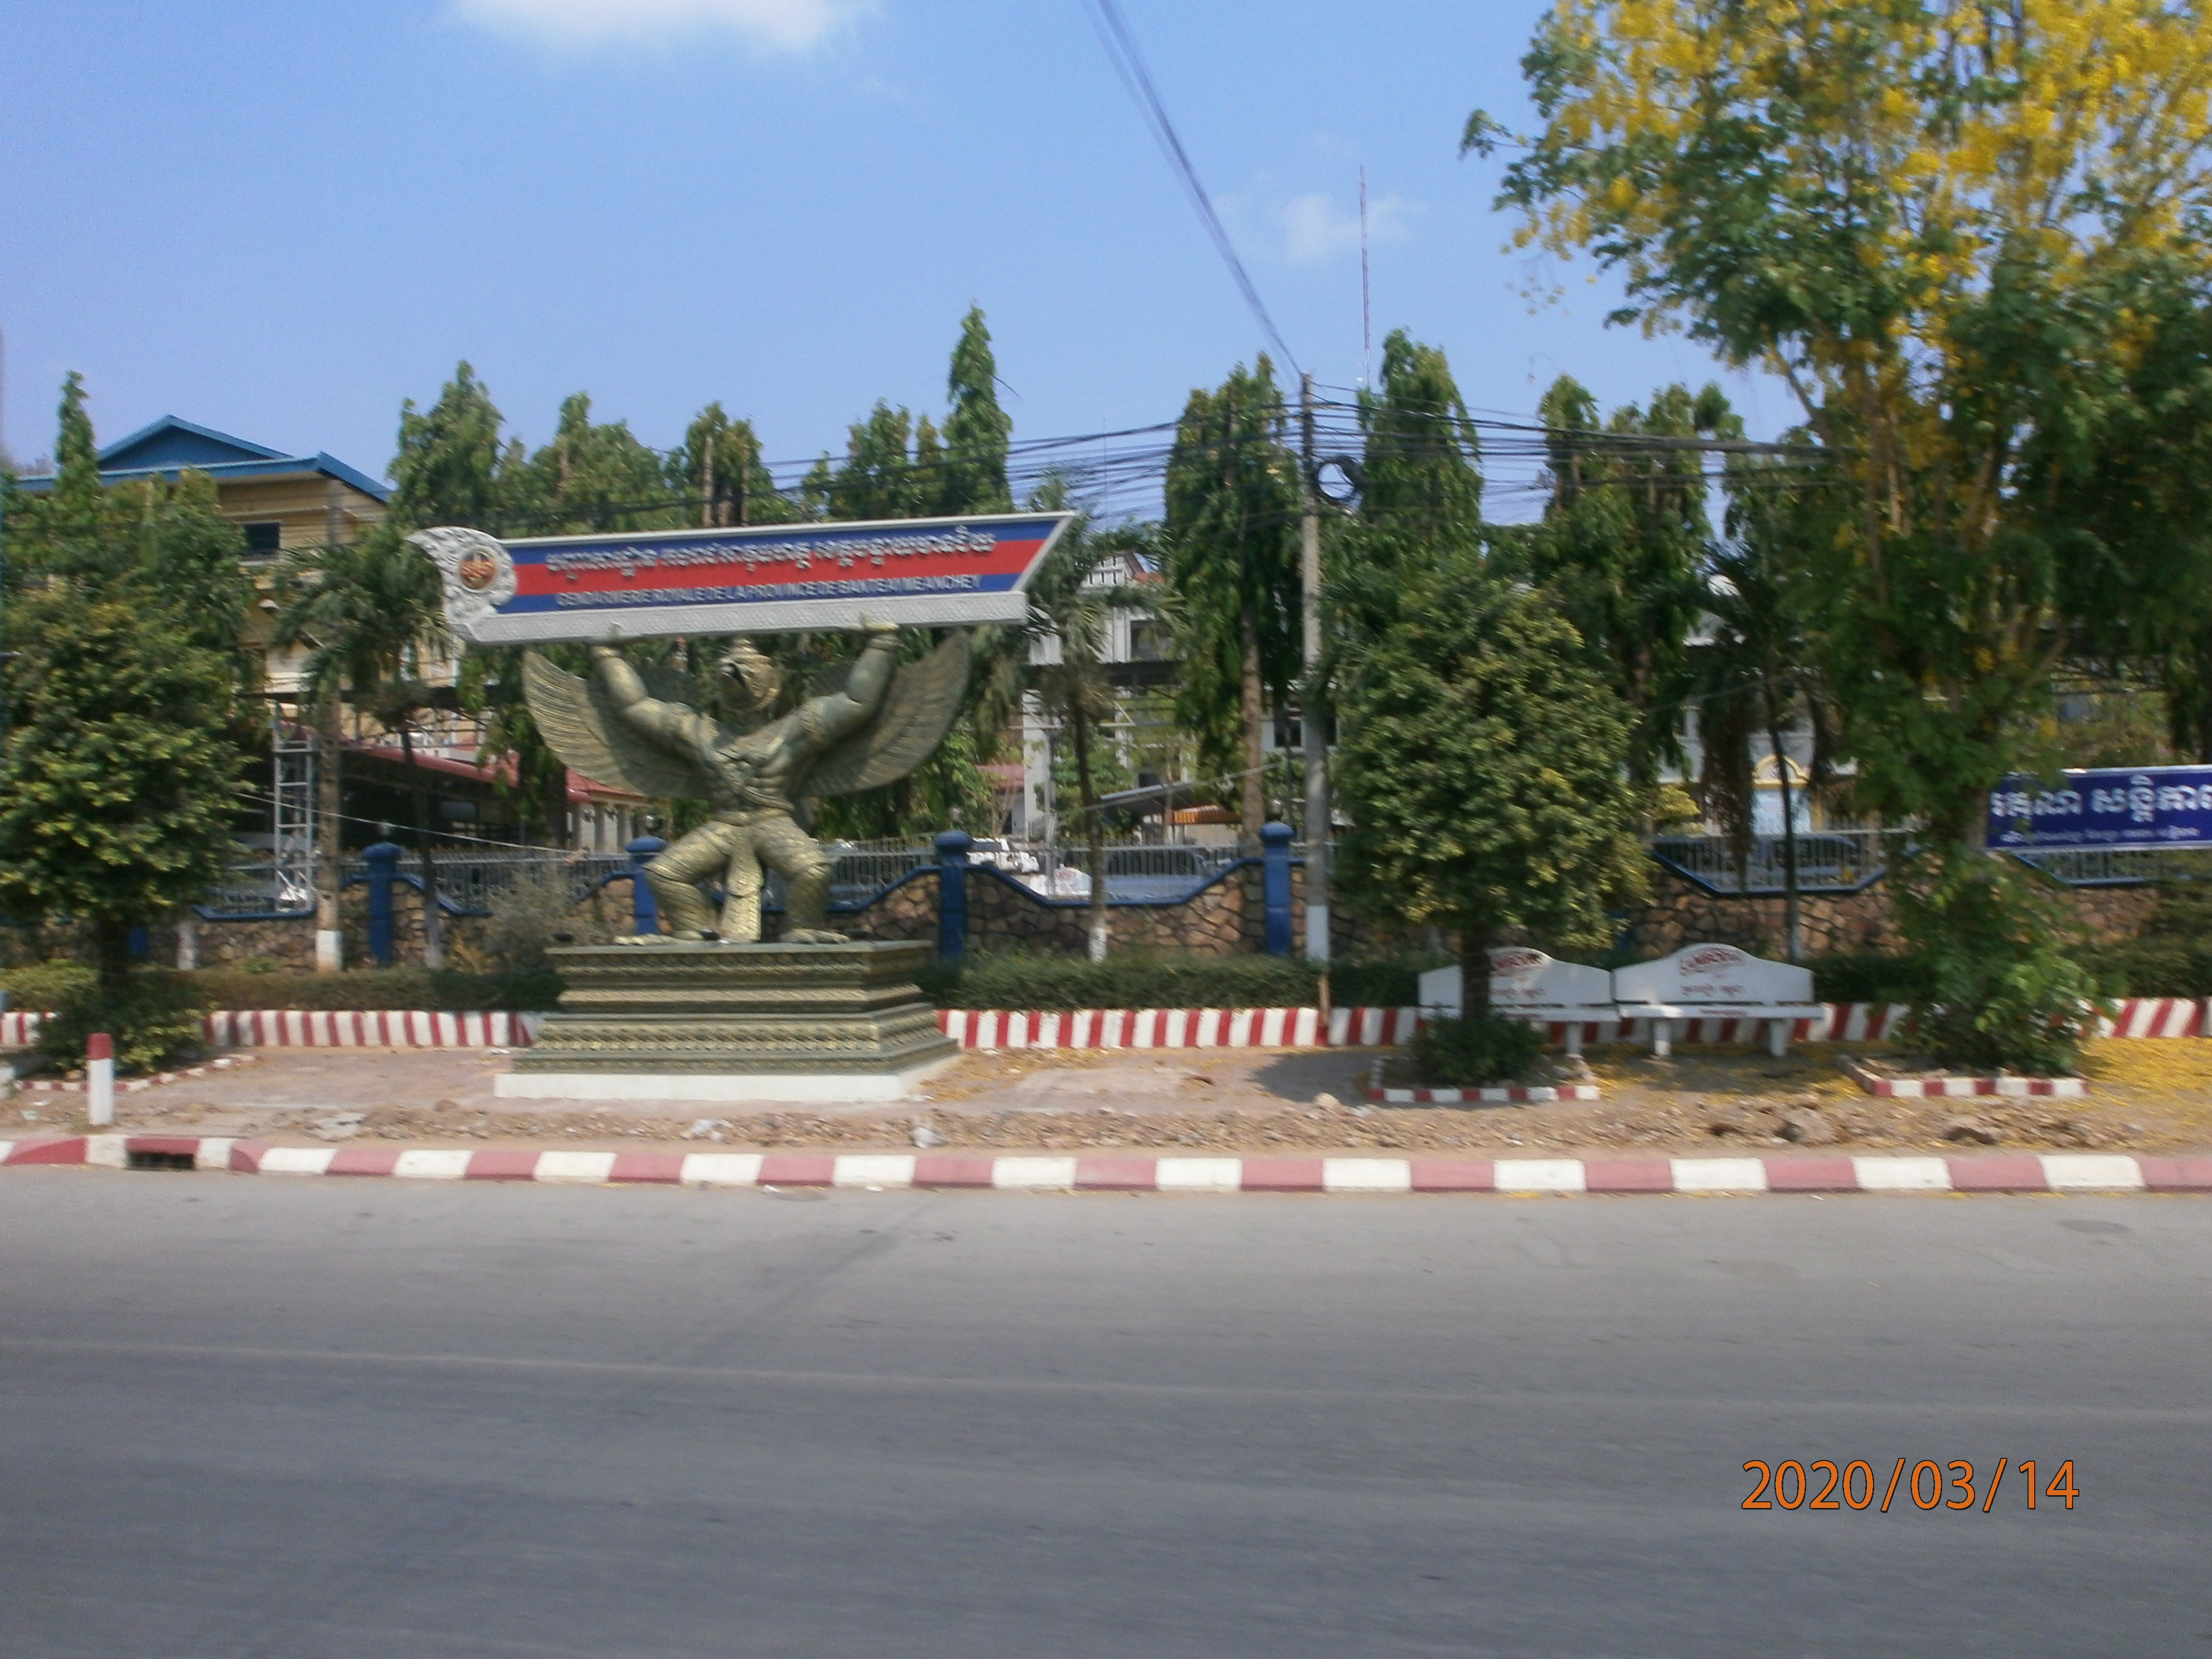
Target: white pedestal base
column 726, row 1088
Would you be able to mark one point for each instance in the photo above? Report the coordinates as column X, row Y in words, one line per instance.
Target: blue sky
column 281, row 223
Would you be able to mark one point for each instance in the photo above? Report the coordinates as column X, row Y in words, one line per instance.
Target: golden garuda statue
column 629, row 725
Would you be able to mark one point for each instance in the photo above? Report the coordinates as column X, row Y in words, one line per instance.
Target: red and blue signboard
column 760, row 579
column 2139, row 806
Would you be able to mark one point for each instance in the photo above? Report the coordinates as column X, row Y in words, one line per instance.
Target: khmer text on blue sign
column 2142, row 806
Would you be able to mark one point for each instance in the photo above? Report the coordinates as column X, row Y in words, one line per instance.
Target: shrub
column 2002, row 993
column 531, row 912
column 156, row 1021
column 1475, row 1052
column 1870, row 978
column 2172, row 955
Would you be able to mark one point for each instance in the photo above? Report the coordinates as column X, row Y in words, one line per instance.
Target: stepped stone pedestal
column 707, row 1022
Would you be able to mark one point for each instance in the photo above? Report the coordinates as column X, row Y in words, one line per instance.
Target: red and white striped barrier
column 390, row 1028
column 2047, row 1172
column 1094, row 1028
column 1179, row 1028
column 2158, row 1017
column 329, row 1027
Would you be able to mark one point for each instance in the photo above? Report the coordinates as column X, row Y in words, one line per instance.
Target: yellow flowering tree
column 1972, row 238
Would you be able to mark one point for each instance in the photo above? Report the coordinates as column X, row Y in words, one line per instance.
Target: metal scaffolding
column 292, row 747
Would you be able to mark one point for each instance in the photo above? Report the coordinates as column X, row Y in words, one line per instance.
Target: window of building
column 1151, row 641
column 264, row 537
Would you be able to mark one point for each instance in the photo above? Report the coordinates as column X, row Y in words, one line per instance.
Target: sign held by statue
column 763, row 578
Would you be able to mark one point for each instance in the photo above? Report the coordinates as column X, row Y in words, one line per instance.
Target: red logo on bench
column 1707, row 957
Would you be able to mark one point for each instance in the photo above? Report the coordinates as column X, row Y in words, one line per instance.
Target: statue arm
column 670, row 723
column 830, row 718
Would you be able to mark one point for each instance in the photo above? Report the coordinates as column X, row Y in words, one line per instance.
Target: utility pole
column 1313, row 715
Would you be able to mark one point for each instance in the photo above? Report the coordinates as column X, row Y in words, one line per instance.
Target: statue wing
column 918, row 710
column 582, row 727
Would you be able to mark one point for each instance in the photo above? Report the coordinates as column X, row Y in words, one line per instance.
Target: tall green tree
column 593, row 476
column 117, row 787
column 1958, row 231
column 1231, row 560
column 973, row 475
column 1623, row 537
column 1420, row 490
column 718, row 465
column 450, row 467
column 878, row 478
column 1421, row 457
column 189, row 549
column 1481, row 760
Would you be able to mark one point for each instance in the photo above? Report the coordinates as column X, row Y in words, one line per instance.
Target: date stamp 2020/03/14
column 1822, row 1485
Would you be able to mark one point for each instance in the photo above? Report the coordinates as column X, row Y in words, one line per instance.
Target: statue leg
column 741, row 910
column 799, row 859
column 675, row 875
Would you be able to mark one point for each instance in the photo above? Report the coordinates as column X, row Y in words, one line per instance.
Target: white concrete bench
column 1714, row 981
column 1526, row 984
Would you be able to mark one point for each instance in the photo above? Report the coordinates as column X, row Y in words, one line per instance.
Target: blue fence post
column 383, row 870
column 644, row 914
column 952, row 892
column 1275, row 885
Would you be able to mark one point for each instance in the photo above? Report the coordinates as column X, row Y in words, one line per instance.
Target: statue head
column 748, row 682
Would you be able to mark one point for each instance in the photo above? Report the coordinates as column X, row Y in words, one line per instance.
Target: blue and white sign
column 2145, row 806
column 766, row 579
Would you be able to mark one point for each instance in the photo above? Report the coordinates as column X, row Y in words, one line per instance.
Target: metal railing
column 1828, row 861
column 1138, row 871
column 2123, row 866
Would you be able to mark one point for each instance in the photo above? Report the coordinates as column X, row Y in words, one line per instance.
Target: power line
column 1129, row 62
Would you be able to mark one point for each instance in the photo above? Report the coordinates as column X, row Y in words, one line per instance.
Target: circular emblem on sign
column 475, row 570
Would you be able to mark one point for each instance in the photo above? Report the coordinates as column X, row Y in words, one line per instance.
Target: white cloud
column 771, row 24
column 1316, row 227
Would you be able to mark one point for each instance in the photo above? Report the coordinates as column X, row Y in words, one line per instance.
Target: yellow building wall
column 313, row 510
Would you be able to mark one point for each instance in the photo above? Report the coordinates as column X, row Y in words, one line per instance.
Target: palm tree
column 1068, row 605
column 369, row 611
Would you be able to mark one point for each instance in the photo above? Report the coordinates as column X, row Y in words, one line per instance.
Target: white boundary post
column 100, row 1077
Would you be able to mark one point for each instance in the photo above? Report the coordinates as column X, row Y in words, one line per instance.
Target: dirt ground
column 2146, row 1095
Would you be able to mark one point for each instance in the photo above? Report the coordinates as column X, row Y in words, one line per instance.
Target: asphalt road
column 240, row 1417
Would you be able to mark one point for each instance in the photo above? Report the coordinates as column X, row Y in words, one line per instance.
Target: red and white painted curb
column 1922, row 1088
column 2048, row 1172
column 1492, row 1096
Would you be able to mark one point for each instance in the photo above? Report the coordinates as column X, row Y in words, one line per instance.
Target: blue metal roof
column 171, row 445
